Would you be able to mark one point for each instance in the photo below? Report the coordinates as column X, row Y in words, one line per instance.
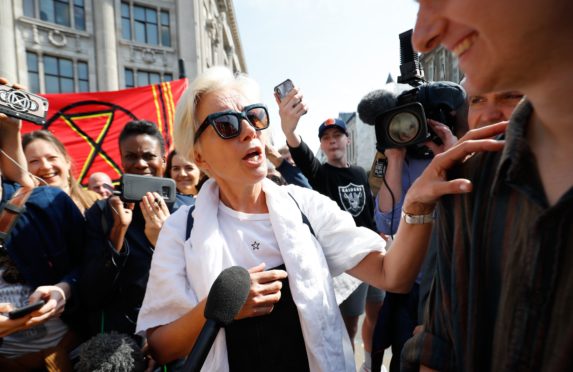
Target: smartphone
column 25, row 310
column 283, row 89
column 20, row 104
column 133, row 187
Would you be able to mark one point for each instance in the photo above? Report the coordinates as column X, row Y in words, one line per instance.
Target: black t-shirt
column 348, row 187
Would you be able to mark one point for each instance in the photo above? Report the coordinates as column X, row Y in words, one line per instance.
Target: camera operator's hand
column 445, row 134
column 155, row 212
column 122, row 215
column 11, row 145
column 291, row 108
column 433, row 184
column 390, row 193
column 397, row 154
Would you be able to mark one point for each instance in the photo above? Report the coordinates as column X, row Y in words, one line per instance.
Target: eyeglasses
column 227, row 124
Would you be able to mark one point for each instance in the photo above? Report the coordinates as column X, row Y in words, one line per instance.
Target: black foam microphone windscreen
column 224, row 301
column 375, row 103
column 228, row 295
column 107, row 352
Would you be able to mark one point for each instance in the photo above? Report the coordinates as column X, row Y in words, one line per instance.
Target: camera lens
column 165, row 191
column 403, row 128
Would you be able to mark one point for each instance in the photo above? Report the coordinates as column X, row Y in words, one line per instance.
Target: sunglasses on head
column 227, row 124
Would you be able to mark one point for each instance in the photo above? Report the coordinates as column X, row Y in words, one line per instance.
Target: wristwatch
column 418, row 219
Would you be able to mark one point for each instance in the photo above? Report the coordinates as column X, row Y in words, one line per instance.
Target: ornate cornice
column 227, row 5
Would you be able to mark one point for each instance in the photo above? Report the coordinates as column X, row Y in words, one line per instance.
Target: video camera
column 400, row 120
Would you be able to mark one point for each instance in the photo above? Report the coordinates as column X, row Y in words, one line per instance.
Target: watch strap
column 418, row 219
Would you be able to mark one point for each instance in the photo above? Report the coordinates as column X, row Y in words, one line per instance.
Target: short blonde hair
column 213, row 79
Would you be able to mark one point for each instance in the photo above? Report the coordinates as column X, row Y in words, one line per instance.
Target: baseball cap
column 330, row 123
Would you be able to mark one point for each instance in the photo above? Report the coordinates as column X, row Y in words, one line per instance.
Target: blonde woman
column 242, row 218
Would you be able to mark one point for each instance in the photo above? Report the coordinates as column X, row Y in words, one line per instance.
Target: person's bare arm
column 390, row 192
column 12, row 159
column 176, row 339
column 397, row 269
column 291, row 108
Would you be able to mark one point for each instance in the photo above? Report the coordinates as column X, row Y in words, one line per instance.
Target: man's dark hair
column 138, row 127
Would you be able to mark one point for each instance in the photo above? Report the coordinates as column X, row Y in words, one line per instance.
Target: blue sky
column 336, row 51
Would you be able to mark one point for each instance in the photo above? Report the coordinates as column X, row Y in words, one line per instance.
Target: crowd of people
column 459, row 260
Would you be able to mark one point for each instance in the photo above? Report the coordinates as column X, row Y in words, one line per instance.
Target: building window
column 147, row 78
column 145, row 25
column 165, row 31
column 69, row 13
column 141, row 78
column 60, row 75
column 83, row 77
column 129, row 78
column 33, row 72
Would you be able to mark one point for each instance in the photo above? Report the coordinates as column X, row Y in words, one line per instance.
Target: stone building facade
column 62, row 46
column 441, row 64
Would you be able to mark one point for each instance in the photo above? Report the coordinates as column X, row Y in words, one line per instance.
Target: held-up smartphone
column 283, row 89
column 20, row 104
column 133, row 187
column 25, row 310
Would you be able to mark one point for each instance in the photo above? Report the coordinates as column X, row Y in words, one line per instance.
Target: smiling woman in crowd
column 186, row 175
column 50, row 162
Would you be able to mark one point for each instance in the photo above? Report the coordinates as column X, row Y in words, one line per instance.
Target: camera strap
column 11, row 211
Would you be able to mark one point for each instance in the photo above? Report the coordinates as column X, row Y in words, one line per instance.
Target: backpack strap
column 304, row 217
column 192, row 208
column 11, row 211
column 189, row 222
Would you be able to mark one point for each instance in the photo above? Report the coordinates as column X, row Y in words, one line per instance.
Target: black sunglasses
column 227, row 124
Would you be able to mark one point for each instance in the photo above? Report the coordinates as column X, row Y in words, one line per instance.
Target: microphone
column 226, row 297
column 375, row 103
column 109, row 352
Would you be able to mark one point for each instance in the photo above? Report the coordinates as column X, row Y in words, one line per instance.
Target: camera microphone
column 375, row 103
column 226, row 298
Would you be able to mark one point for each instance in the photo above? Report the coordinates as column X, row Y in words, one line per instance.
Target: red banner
column 89, row 124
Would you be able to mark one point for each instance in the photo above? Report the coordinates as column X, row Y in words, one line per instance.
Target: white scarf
column 327, row 343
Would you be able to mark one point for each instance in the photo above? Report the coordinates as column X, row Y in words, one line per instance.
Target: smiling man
column 490, row 108
column 501, row 299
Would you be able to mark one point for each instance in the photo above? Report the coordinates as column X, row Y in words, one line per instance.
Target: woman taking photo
column 50, row 162
column 290, row 322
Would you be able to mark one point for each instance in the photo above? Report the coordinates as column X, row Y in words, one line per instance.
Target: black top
column 114, row 282
column 348, row 187
column 272, row 342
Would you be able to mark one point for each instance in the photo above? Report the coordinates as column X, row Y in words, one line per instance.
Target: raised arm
column 291, row 108
column 12, row 159
column 389, row 196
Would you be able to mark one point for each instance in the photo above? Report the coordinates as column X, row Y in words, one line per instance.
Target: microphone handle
column 202, row 346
